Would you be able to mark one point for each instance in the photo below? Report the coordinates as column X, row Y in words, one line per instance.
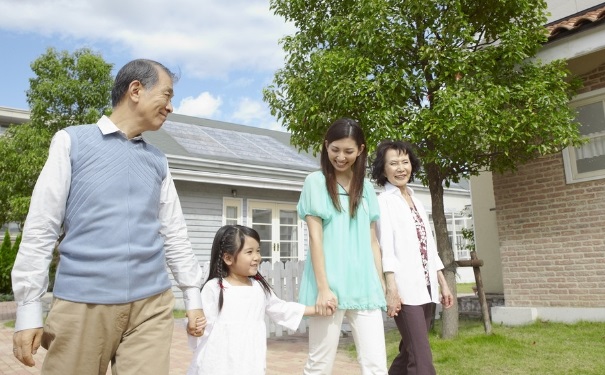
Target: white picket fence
column 284, row 278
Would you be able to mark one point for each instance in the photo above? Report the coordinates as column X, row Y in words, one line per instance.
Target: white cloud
column 229, row 48
column 205, row 106
column 207, row 38
column 249, row 111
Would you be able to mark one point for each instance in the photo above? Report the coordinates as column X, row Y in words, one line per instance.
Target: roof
column 577, row 22
column 10, row 116
column 202, row 138
column 217, row 152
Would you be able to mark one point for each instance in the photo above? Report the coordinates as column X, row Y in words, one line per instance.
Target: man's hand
column 26, row 344
column 196, row 322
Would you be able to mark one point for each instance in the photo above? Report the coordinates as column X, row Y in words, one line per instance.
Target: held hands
column 26, row 344
column 393, row 302
column 326, row 303
column 196, row 322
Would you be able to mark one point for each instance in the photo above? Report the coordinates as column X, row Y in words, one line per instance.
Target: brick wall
column 593, row 80
column 552, row 236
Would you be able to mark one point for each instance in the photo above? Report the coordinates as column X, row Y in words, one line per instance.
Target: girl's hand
column 196, row 322
column 326, row 303
column 200, row 325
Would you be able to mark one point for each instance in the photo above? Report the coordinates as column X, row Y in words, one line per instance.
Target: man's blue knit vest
column 112, row 251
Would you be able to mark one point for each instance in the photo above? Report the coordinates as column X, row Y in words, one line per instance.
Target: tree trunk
column 449, row 316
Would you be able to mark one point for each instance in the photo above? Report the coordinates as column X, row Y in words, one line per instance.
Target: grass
column 465, row 288
column 540, row 348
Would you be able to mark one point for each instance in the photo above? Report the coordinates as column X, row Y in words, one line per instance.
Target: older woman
column 409, row 258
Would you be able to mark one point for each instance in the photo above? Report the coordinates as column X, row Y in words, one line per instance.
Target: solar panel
column 212, row 143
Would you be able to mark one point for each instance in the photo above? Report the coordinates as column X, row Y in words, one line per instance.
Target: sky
column 225, row 51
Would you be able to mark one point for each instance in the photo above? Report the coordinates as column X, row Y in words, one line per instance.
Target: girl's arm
column 325, row 296
column 310, row 310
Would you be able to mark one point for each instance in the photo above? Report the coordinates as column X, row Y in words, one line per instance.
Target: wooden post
column 476, row 264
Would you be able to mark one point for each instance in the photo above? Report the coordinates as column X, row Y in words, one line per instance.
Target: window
column 587, row 162
column 278, row 227
column 232, row 211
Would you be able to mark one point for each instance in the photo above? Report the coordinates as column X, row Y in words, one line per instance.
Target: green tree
column 68, row 89
column 7, row 259
column 455, row 77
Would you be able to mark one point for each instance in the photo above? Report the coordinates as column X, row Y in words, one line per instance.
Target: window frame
column 569, row 156
column 233, row 202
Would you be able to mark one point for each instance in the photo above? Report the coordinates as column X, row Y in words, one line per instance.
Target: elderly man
column 112, row 196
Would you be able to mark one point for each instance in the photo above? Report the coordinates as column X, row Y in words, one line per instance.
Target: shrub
column 8, row 253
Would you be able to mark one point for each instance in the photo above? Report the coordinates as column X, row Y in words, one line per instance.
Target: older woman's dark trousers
column 415, row 357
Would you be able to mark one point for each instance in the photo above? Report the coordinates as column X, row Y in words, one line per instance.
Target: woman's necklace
column 344, row 185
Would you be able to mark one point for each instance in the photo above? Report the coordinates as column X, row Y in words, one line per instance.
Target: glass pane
column 287, row 217
column 260, row 215
column 288, row 233
column 592, row 118
column 264, row 231
column 590, row 157
column 287, row 251
column 231, row 221
column 231, row 212
column 265, row 250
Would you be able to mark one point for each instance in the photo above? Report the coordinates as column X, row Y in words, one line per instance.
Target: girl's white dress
column 234, row 341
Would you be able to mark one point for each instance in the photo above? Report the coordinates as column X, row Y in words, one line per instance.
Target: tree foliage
column 455, row 77
column 8, row 253
column 67, row 89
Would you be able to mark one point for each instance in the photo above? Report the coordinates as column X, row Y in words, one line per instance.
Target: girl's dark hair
column 142, row 70
column 229, row 239
column 379, row 161
column 340, row 129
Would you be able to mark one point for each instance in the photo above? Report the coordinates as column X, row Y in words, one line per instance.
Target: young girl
column 344, row 263
column 236, row 298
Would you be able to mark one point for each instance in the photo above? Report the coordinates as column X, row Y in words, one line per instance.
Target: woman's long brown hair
column 340, row 129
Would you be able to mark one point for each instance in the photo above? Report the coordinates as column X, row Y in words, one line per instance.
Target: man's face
column 155, row 102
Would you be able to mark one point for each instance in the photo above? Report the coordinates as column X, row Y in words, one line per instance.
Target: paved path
column 285, row 355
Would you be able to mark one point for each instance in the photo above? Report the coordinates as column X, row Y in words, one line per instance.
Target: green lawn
column 465, row 288
column 541, row 348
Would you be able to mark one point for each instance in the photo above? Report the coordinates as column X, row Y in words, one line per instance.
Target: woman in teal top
column 344, row 267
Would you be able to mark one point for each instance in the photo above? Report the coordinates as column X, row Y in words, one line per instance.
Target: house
column 227, row 173
column 234, row 174
column 541, row 229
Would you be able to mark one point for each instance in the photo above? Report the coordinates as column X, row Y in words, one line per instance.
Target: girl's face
column 397, row 168
column 343, row 153
column 247, row 261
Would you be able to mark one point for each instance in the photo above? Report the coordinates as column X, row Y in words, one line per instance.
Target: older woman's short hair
column 379, row 161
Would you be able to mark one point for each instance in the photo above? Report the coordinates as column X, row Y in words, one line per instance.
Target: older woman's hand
column 394, row 302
